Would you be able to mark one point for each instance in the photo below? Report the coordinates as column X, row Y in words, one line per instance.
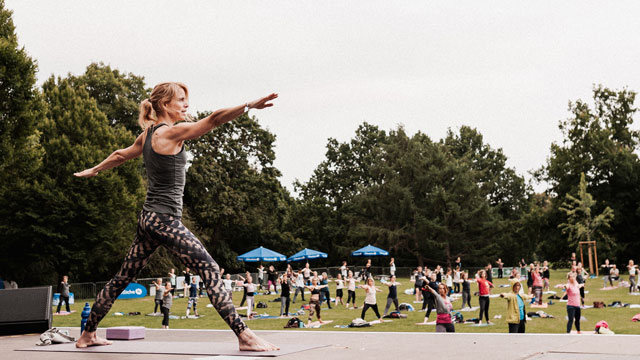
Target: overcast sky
column 507, row 68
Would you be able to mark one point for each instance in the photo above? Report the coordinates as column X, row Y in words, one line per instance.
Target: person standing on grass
column 456, row 280
column 351, row 290
column 172, row 280
column 228, row 284
column 581, row 277
column 251, row 291
column 537, row 284
column 344, row 269
column 466, row 290
column 339, row 289
column 429, row 302
column 530, row 278
column 187, row 281
column 244, row 291
column 299, row 286
column 167, row 301
column 418, row 279
column 261, row 276
column 392, row 297
column 63, row 290
column 516, row 310
column 324, row 292
column 370, row 298
column 573, row 304
column 633, row 270
column 392, row 267
column 444, row 322
column 285, row 293
column 484, row 289
column 193, row 297
column 314, row 300
column 159, row 295
column 546, row 275
column 500, row 270
column 272, row 276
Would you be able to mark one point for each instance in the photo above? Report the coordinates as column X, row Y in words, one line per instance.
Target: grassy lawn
column 619, row 319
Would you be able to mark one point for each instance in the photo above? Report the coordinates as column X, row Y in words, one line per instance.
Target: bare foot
column 249, row 341
column 91, row 339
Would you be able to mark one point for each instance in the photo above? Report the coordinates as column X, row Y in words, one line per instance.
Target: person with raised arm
column 392, row 297
column 444, row 322
column 370, row 298
column 573, row 304
column 314, row 300
column 516, row 310
column 161, row 143
column 484, row 290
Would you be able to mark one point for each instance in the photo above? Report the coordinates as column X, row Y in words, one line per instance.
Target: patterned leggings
column 160, row 229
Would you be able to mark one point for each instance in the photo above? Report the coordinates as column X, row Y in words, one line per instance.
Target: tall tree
column 21, row 107
column 118, row 95
column 233, row 195
column 427, row 203
column 599, row 141
column 582, row 224
column 80, row 227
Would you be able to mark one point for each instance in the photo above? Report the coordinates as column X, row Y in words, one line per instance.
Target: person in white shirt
column 344, row 269
column 392, row 267
column 339, row 286
column 370, row 298
column 228, row 284
column 299, row 286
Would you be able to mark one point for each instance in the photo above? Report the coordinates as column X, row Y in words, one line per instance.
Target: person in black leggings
column 393, row 295
column 314, row 300
column 161, row 143
column 466, row 290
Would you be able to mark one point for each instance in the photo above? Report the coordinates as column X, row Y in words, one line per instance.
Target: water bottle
column 85, row 316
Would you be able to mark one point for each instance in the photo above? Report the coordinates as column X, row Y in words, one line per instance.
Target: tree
column 21, row 107
column 233, row 195
column 427, row 203
column 68, row 225
column 599, row 141
column 581, row 225
column 118, row 95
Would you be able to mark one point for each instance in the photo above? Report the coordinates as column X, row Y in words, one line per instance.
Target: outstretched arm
column 116, row 158
column 191, row 130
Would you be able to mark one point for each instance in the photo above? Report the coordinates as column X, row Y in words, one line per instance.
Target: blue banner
column 56, row 299
column 133, row 291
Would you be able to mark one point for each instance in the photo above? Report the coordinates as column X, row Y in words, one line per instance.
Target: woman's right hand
column 86, row 173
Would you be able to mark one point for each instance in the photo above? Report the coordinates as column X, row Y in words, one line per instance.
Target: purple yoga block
column 125, row 332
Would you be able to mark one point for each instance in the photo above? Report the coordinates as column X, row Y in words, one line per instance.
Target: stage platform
column 323, row 345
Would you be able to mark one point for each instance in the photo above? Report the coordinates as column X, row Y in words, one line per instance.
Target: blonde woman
column 370, row 298
column 161, row 143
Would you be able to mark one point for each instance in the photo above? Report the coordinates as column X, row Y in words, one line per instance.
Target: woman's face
column 370, row 281
column 516, row 287
column 177, row 108
column 442, row 290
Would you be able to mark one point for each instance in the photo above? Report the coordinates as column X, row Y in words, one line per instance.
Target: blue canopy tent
column 261, row 254
column 307, row 254
column 370, row 250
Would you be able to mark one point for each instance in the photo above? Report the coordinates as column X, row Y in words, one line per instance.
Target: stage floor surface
column 365, row 345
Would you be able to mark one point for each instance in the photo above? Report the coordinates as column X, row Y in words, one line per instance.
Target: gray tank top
column 166, row 178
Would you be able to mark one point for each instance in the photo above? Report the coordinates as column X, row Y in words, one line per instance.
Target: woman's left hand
column 264, row 102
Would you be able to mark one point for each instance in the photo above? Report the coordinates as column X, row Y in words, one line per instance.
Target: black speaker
column 25, row 311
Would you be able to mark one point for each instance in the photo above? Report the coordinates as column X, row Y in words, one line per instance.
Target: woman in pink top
column 484, row 289
column 537, row 284
column 573, row 306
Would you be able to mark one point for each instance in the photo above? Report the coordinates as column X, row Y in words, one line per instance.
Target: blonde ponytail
column 147, row 115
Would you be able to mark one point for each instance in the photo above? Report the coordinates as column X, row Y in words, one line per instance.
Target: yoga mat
column 174, row 348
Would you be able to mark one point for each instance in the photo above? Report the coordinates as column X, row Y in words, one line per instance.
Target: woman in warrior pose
column 159, row 223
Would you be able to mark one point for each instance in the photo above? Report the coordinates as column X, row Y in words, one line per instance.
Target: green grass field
column 619, row 319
